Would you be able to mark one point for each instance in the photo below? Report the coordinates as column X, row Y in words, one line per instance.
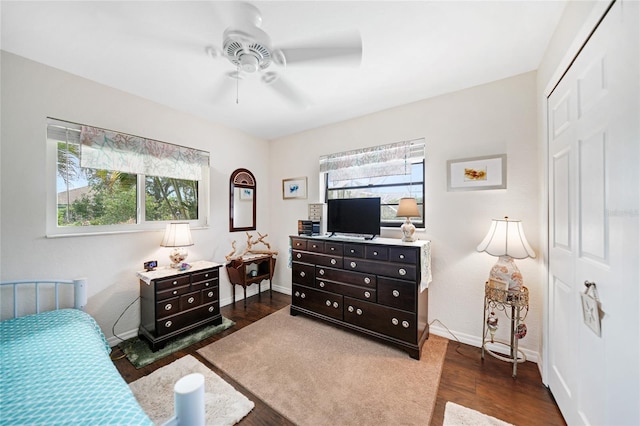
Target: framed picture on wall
column 246, row 194
column 294, row 188
column 472, row 174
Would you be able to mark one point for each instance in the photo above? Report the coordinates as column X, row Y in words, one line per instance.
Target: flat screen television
column 360, row 216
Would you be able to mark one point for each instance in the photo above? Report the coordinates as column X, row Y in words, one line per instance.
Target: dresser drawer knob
column 350, row 308
column 352, row 251
column 405, row 324
column 191, row 300
column 402, row 271
column 206, row 275
column 175, row 292
column 359, row 311
column 168, row 324
column 211, row 308
column 303, row 295
column 394, row 321
column 168, row 307
column 321, row 284
column 367, row 294
column 207, row 284
column 401, row 256
column 210, row 294
column 396, row 293
column 297, row 294
column 375, row 253
column 336, row 305
column 328, row 302
column 298, row 255
column 353, row 264
column 332, row 249
column 333, row 261
column 175, row 283
column 321, row 271
column 302, row 274
column 367, row 280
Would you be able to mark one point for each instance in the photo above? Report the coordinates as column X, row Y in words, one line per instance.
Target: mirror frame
column 241, row 178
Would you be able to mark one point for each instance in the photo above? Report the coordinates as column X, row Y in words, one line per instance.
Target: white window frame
column 141, row 225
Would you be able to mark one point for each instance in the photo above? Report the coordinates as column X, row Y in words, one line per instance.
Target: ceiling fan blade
column 338, row 50
column 286, row 90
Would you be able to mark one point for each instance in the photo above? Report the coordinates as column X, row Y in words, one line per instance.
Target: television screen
column 354, row 216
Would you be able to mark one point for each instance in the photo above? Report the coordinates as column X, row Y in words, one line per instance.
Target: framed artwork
column 246, row 194
column 472, row 174
column 294, row 188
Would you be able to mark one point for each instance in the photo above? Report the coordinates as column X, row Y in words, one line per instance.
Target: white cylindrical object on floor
column 189, row 400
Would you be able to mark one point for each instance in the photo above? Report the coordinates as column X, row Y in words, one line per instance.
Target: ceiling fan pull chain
column 237, row 82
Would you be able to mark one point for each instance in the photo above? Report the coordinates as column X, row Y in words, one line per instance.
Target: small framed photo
column 294, row 188
column 472, row 174
column 498, row 284
column 246, row 194
column 591, row 313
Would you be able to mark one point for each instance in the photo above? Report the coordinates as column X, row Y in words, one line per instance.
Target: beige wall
column 495, row 118
column 30, row 93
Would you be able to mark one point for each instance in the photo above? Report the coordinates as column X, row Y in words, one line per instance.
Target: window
column 108, row 181
column 390, row 172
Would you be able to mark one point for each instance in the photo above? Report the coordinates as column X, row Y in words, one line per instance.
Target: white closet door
column 594, row 187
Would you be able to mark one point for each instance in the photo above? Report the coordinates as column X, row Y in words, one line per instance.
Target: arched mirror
column 242, row 201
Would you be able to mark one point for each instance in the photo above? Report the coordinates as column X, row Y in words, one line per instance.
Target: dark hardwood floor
column 486, row 386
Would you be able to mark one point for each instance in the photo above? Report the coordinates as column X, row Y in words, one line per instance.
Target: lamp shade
column 506, row 238
column 177, row 235
column 408, row 208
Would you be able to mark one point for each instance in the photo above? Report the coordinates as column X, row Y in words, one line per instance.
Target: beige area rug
column 316, row 374
column 223, row 404
column 457, row 415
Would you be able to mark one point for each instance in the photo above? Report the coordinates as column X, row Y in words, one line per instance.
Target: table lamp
column 408, row 208
column 178, row 236
column 506, row 240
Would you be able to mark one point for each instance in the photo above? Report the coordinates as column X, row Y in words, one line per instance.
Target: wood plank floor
column 485, row 386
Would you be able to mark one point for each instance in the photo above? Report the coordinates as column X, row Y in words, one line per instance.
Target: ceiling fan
column 248, row 47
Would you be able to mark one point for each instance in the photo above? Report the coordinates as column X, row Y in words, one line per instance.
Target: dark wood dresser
column 173, row 302
column 378, row 288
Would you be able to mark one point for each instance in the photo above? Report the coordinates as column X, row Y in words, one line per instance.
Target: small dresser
column 378, row 288
column 173, row 302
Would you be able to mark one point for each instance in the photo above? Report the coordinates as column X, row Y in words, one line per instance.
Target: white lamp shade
column 177, row 235
column 408, row 208
column 506, row 238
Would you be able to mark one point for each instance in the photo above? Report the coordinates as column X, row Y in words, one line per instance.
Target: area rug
column 223, row 404
column 316, row 374
column 457, row 415
column 139, row 352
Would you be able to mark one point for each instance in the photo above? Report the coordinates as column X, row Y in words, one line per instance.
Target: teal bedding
column 55, row 369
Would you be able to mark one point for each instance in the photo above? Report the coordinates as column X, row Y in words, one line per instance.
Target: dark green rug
column 139, row 352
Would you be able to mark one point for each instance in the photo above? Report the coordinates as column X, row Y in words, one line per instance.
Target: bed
column 55, row 366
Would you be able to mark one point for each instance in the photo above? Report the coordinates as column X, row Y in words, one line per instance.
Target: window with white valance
column 111, row 181
column 389, row 171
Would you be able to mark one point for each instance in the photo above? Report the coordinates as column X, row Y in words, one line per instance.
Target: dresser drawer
column 322, row 302
column 173, row 292
column 354, row 250
column 172, row 282
column 403, row 254
column 210, row 283
column 397, row 293
column 340, row 275
column 176, row 322
column 376, row 252
column 167, row 307
column 388, row 321
column 298, row 243
column 388, row 269
column 206, row 275
column 316, row 246
column 303, row 273
column 364, row 293
column 318, row 259
column 210, row 295
column 190, row 300
column 336, row 249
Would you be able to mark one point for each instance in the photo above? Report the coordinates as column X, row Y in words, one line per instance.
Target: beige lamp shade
column 506, row 238
column 408, row 208
column 177, row 235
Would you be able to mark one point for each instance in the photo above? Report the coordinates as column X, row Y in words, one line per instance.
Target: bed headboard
column 79, row 292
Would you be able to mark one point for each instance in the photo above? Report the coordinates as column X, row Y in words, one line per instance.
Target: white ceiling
column 411, row 51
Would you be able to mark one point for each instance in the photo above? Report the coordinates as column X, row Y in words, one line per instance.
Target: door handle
column 589, row 284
